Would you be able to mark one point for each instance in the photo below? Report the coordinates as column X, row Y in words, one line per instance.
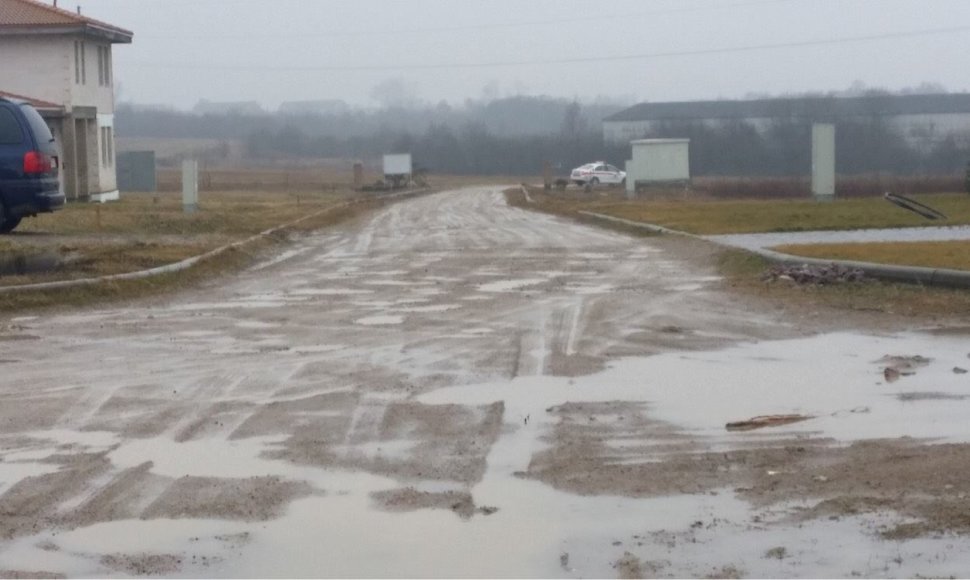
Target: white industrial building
column 61, row 62
column 922, row 119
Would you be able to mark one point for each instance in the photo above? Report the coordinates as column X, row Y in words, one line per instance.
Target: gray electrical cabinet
column 136, row 171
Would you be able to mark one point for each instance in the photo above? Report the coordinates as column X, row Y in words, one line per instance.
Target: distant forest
column 514, row 136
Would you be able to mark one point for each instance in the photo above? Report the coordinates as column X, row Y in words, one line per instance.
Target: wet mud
column 480, row 391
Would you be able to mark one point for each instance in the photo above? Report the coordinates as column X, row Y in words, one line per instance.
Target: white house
column 61, row 62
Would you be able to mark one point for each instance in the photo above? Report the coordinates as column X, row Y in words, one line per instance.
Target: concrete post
column 546, row 175
column 358, row 176
column 190, row 185
column 823, row 161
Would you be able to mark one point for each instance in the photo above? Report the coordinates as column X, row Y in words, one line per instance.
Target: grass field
column 144, row 231
column 708, row 217
column 953, row 254
column 743, row 270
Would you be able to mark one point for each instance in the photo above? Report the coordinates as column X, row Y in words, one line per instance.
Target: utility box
column 397, row 169
column 658, row 162
column 136, row 171
column 823, row 161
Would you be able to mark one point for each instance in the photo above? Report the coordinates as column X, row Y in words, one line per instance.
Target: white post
column 190, row 185
column 823, row 161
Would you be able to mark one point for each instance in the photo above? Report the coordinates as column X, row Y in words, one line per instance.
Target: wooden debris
column 763, row 421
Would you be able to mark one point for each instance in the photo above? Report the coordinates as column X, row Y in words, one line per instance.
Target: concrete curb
column 910, row 274
column 189, row 262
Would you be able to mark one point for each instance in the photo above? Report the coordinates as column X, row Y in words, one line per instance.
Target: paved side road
column 448, row 387
column 767, row 241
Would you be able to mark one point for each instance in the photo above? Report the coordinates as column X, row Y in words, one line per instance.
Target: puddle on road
column 509, row 285
column 429, row 309
column 825, row 377
column 539, row 531
column 381, row 320
column 329, row 291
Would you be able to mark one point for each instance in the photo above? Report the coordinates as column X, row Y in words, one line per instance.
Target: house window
column 104, row 66
column 77, row 62
column 84, row 66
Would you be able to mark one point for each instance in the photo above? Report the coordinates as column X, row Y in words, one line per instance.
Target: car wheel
column 595, row 181
column 4, row 220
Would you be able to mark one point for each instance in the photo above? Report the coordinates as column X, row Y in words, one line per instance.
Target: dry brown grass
column 225, row 215
column 124, row 257
column 309, row 180
column 143, row 231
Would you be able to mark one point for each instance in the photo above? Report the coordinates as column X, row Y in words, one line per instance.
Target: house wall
column 46, row 67
column 38, row 67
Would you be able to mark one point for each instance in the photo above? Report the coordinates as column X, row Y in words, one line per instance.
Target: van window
column 10, row 132
column 37, row 124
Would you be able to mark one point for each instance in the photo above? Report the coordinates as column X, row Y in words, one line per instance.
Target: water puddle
column 531, row 529
column 510, row 285
column 382, row 320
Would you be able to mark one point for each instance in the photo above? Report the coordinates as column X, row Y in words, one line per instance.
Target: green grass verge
column 743, row 270
column 950, row 254
column 743, row 273
column 709, row 217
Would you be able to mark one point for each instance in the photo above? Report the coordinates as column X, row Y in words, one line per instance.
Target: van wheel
column 7, row 224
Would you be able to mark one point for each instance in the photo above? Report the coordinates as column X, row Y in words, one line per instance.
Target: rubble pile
column 805, row 274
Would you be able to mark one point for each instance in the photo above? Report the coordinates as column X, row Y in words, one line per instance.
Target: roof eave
column 115, row 36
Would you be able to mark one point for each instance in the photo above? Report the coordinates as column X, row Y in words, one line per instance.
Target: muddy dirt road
column 453, row 387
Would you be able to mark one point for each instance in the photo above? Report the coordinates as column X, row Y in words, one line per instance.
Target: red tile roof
column 36, row 103
column 26, row 14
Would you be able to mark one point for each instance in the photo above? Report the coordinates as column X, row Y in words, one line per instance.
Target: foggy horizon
column 375, row 54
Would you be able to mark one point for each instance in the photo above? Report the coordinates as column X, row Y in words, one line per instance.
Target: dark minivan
column 28, row 165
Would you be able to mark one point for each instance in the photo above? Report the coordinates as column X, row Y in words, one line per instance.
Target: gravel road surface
column 454, row 387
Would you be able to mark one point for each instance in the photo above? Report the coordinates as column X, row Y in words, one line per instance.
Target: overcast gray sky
column 279, row 50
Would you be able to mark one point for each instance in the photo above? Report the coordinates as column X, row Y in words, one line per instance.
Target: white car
column 597, row 173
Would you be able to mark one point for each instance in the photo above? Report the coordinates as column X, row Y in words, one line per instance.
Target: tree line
column 475, row 143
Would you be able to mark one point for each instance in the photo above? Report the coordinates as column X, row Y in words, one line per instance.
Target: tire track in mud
column 460, row 289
